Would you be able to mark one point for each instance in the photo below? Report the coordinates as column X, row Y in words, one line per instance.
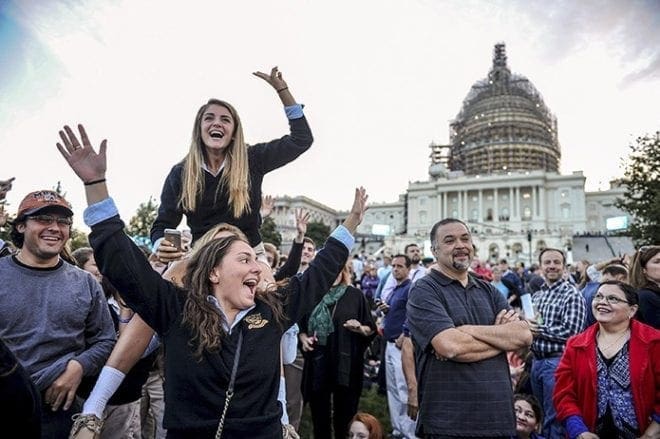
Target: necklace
column 615, row 341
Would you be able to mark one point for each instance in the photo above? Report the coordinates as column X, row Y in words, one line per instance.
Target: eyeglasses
column 47, row 220
column 612, row 300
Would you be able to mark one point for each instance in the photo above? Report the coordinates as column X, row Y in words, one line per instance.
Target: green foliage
column 269, row 232
column 642, row 199
column 140, row 223
column 78, row 239
column 318, row 231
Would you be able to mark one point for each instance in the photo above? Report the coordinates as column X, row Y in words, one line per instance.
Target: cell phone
column 174, row 236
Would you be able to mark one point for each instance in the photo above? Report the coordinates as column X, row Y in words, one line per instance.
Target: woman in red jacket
column 608, row 380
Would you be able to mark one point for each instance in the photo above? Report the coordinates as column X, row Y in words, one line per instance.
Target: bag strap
column 230, row 389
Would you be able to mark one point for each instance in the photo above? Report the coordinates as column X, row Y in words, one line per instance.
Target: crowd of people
column 219, row 335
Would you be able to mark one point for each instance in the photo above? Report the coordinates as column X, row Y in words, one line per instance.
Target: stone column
column 496, row 209
column 511, row 212
column 516, row 194
column 466, row 204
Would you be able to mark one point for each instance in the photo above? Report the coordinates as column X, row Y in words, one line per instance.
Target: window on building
column 527, row 213
column 565, row 211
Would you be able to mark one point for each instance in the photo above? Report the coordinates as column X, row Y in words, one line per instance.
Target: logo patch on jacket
column 255, row 321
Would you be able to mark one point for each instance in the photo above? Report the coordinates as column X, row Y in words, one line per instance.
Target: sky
column 380, row 80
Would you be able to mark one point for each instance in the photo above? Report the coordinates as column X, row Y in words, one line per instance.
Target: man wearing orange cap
column 53, row 316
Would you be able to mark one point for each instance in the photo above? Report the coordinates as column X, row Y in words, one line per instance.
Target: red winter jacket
column 576, row 380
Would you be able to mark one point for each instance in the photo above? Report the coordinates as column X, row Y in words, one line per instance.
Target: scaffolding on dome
column 503, row 126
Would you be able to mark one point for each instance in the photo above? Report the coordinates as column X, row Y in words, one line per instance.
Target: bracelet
column 125, row 320
column 282, row 89
column 100, row 180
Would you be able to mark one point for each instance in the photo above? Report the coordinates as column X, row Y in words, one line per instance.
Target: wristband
column 100, row 180
column 282, row 89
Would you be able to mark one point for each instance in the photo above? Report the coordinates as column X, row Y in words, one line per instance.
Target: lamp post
column 529, row 239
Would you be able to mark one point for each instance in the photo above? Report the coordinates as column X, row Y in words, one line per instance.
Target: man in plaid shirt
column 561, row 313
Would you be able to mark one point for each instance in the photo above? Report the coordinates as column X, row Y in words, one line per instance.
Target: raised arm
column 89, row 166
column 118, row 257
column 328, row 263
column 278, row 83
column 290, row 267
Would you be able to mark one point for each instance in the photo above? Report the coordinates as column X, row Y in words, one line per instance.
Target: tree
column 318, row 231
column 140, row 224
column 642, row 198
column 77, row 239
column 269, row 232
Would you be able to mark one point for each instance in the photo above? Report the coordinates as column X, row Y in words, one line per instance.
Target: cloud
column 630, row 30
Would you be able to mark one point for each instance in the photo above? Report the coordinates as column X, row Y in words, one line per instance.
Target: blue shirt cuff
column 575, row 426
column 101, row 211
column 294, row 111
column 342, row 235
column 656, row 417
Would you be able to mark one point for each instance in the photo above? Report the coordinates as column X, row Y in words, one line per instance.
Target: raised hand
column 85, row 162
column 302, row 219
column 274, row 79
column 356, row 215
column 5, row 186
column 267, row 205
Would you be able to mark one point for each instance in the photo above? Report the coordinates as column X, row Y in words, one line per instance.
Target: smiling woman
column 220, row 178
column 608, row 378
column 221, row 340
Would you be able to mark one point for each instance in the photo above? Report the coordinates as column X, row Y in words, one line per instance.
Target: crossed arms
column 470, row 343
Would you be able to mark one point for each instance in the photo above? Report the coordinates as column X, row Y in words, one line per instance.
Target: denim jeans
column 543, row 384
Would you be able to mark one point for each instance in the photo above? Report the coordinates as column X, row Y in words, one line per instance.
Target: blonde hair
column 210, row 235
column 235, row 178
column 344, row 276
column 270, row 248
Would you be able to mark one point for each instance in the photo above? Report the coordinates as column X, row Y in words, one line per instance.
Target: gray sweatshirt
column 50, row 316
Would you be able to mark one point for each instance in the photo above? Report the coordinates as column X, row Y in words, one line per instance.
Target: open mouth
column 216, row 134
column 251, row 284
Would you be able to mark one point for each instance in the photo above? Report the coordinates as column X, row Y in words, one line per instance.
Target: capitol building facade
column 499, row 173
